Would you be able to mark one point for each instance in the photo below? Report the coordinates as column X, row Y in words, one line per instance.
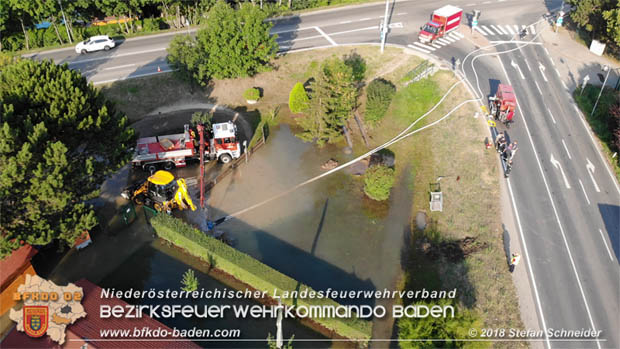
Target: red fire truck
column 175, row 150
column 443, row 21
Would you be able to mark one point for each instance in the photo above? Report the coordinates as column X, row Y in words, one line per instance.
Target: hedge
column 252, row 272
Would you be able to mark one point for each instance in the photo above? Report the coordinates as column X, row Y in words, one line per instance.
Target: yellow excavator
column 161, row 192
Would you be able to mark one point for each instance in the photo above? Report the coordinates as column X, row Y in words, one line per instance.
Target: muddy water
column 326, row 234
column 160, row 266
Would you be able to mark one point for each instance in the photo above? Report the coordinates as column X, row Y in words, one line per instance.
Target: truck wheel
column 225, row 158
column 139, row 200
column 150, row 168
column 168, row 166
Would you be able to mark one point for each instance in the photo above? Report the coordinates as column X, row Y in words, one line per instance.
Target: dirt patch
column 452, row 251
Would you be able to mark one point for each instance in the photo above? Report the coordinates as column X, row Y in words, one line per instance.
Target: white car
column 95, row 43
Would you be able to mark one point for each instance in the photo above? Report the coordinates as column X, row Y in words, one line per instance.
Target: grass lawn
column 602, row 122
column 454, row 149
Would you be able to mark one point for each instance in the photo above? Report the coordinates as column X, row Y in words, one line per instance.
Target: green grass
column 414, row 100
column 601, row 122
column 252, row 272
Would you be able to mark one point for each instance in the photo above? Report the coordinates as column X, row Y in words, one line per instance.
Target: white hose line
column 397, row 138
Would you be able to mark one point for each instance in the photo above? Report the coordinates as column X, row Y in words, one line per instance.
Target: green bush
column 447, row 328
column 357, row 64
column 298, row 99
column 251, row 94
column 378, row 181
column 251, row 271
column 379, row 94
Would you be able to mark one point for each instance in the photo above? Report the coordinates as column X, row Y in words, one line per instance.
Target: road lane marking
column 590, row 167
column 538, row 87
column 557, row 218
column 458, row 34
column 516, row 66
column 527, row 64
column 584, row 192
column 345, row 22
column 119, row 67
column 480, row 31
column 557, row 165
column 435, row 45
column 449, row 39
column 326, row 36
column 606, row 247
column 419, row 49
column 291, row 30
column 552, row 118
column 442, row 41
column 558, row 72
column 552, row 61
column 510, row 30
column 424, row 46
column 116, row 56
column 566, row 148
column 529, row 264
column 486, row 2
column 533, row 29
column 364, row 19
column 489, row 31
column 563, row 84
column 547, row 51
column 542, row 71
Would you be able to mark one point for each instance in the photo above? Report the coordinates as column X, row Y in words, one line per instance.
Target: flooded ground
column 326, row 234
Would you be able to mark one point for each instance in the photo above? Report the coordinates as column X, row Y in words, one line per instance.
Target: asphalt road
column 567, row 204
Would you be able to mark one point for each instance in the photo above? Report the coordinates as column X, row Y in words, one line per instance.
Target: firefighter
column 500, row 142
column 514, row 261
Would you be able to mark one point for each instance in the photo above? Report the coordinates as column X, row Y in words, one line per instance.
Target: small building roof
column 13, row 265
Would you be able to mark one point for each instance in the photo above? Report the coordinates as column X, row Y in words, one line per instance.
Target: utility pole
column 201, row 130
column 279, row 339
column 605, row 68
column 385, row 25
column 65, row 20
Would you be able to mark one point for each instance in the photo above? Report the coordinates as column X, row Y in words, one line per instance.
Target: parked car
column 95, row 43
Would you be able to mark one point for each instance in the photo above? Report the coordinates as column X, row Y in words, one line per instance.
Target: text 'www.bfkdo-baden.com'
column 163, row 332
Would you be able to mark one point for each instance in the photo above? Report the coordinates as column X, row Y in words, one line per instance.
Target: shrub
column 251, row 94
column 252, row 272
column 189, row 281
column 357, row 64
column 298, row 99
column 378, row 181
column 447, row 328
column 379, row 95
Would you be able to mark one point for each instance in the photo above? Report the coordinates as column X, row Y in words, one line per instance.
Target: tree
column 189, row 281
column 333, row 96
column 59, row 140
column 613, row 23
column 379, row 95
column 298, row 99
column 235, row 43
column 598, row 17
column 204, row 118
column 446, row 328
column 378, row 182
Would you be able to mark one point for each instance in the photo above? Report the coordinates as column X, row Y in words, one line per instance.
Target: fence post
column 245, row 150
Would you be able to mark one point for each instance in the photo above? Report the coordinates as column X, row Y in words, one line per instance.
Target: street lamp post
column 384, row 27
column 605, row 68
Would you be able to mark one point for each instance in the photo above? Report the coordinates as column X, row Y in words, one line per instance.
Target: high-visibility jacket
column 516, row 258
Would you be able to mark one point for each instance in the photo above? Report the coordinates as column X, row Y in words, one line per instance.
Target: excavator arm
column 182, row 198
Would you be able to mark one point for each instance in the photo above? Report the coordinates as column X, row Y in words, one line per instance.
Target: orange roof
column 14, row 264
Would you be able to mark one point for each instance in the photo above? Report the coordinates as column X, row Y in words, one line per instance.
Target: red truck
column 443, row 21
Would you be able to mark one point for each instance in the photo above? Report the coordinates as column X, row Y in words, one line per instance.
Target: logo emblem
column 36, row 319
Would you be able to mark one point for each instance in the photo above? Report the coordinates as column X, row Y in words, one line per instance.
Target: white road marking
column 557, row 71
column 516, row 28
column 401, row 13
column 557, row 217
column 396, row 25
column 557, row 165
column 291, row 30
column 538, row 87
column 527, row 64
column 454, row 37
column 584, row 192
column 424, row 46
column 516, row 66
column 590, row 167
column 552, row 61
column 364, row 19
column 566, row 148
column 458, row 34
column 117, row 55
column 510, row 30
column 487, row 30
column 435, row 45
column 533, row 29
column 515, row 42
column 497, row 30
column 563, row 84
column 447, row 38
column 606, row 247
column 437, row 42
column 480, row 31
column 326, row 36
column 547, row 51
column 522, row 27
column 345, row 22
column 119, row 67
column 542, row 71
column 486, row 2
column 552, row 119
column 419, row 49
column 442, row 41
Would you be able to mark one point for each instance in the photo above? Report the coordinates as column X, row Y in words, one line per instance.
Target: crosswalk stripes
column 418, row 48
column 496, row 29
column 419, row 44
column 516, row 28
column 457, row 34
column 448, row 39
column 510, row 30
column 442, row 41
column 480, row 31
column 435, row 45
column 487, row 30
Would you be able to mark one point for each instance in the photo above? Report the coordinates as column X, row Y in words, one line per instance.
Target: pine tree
column 59, row 139
column 298, row 99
